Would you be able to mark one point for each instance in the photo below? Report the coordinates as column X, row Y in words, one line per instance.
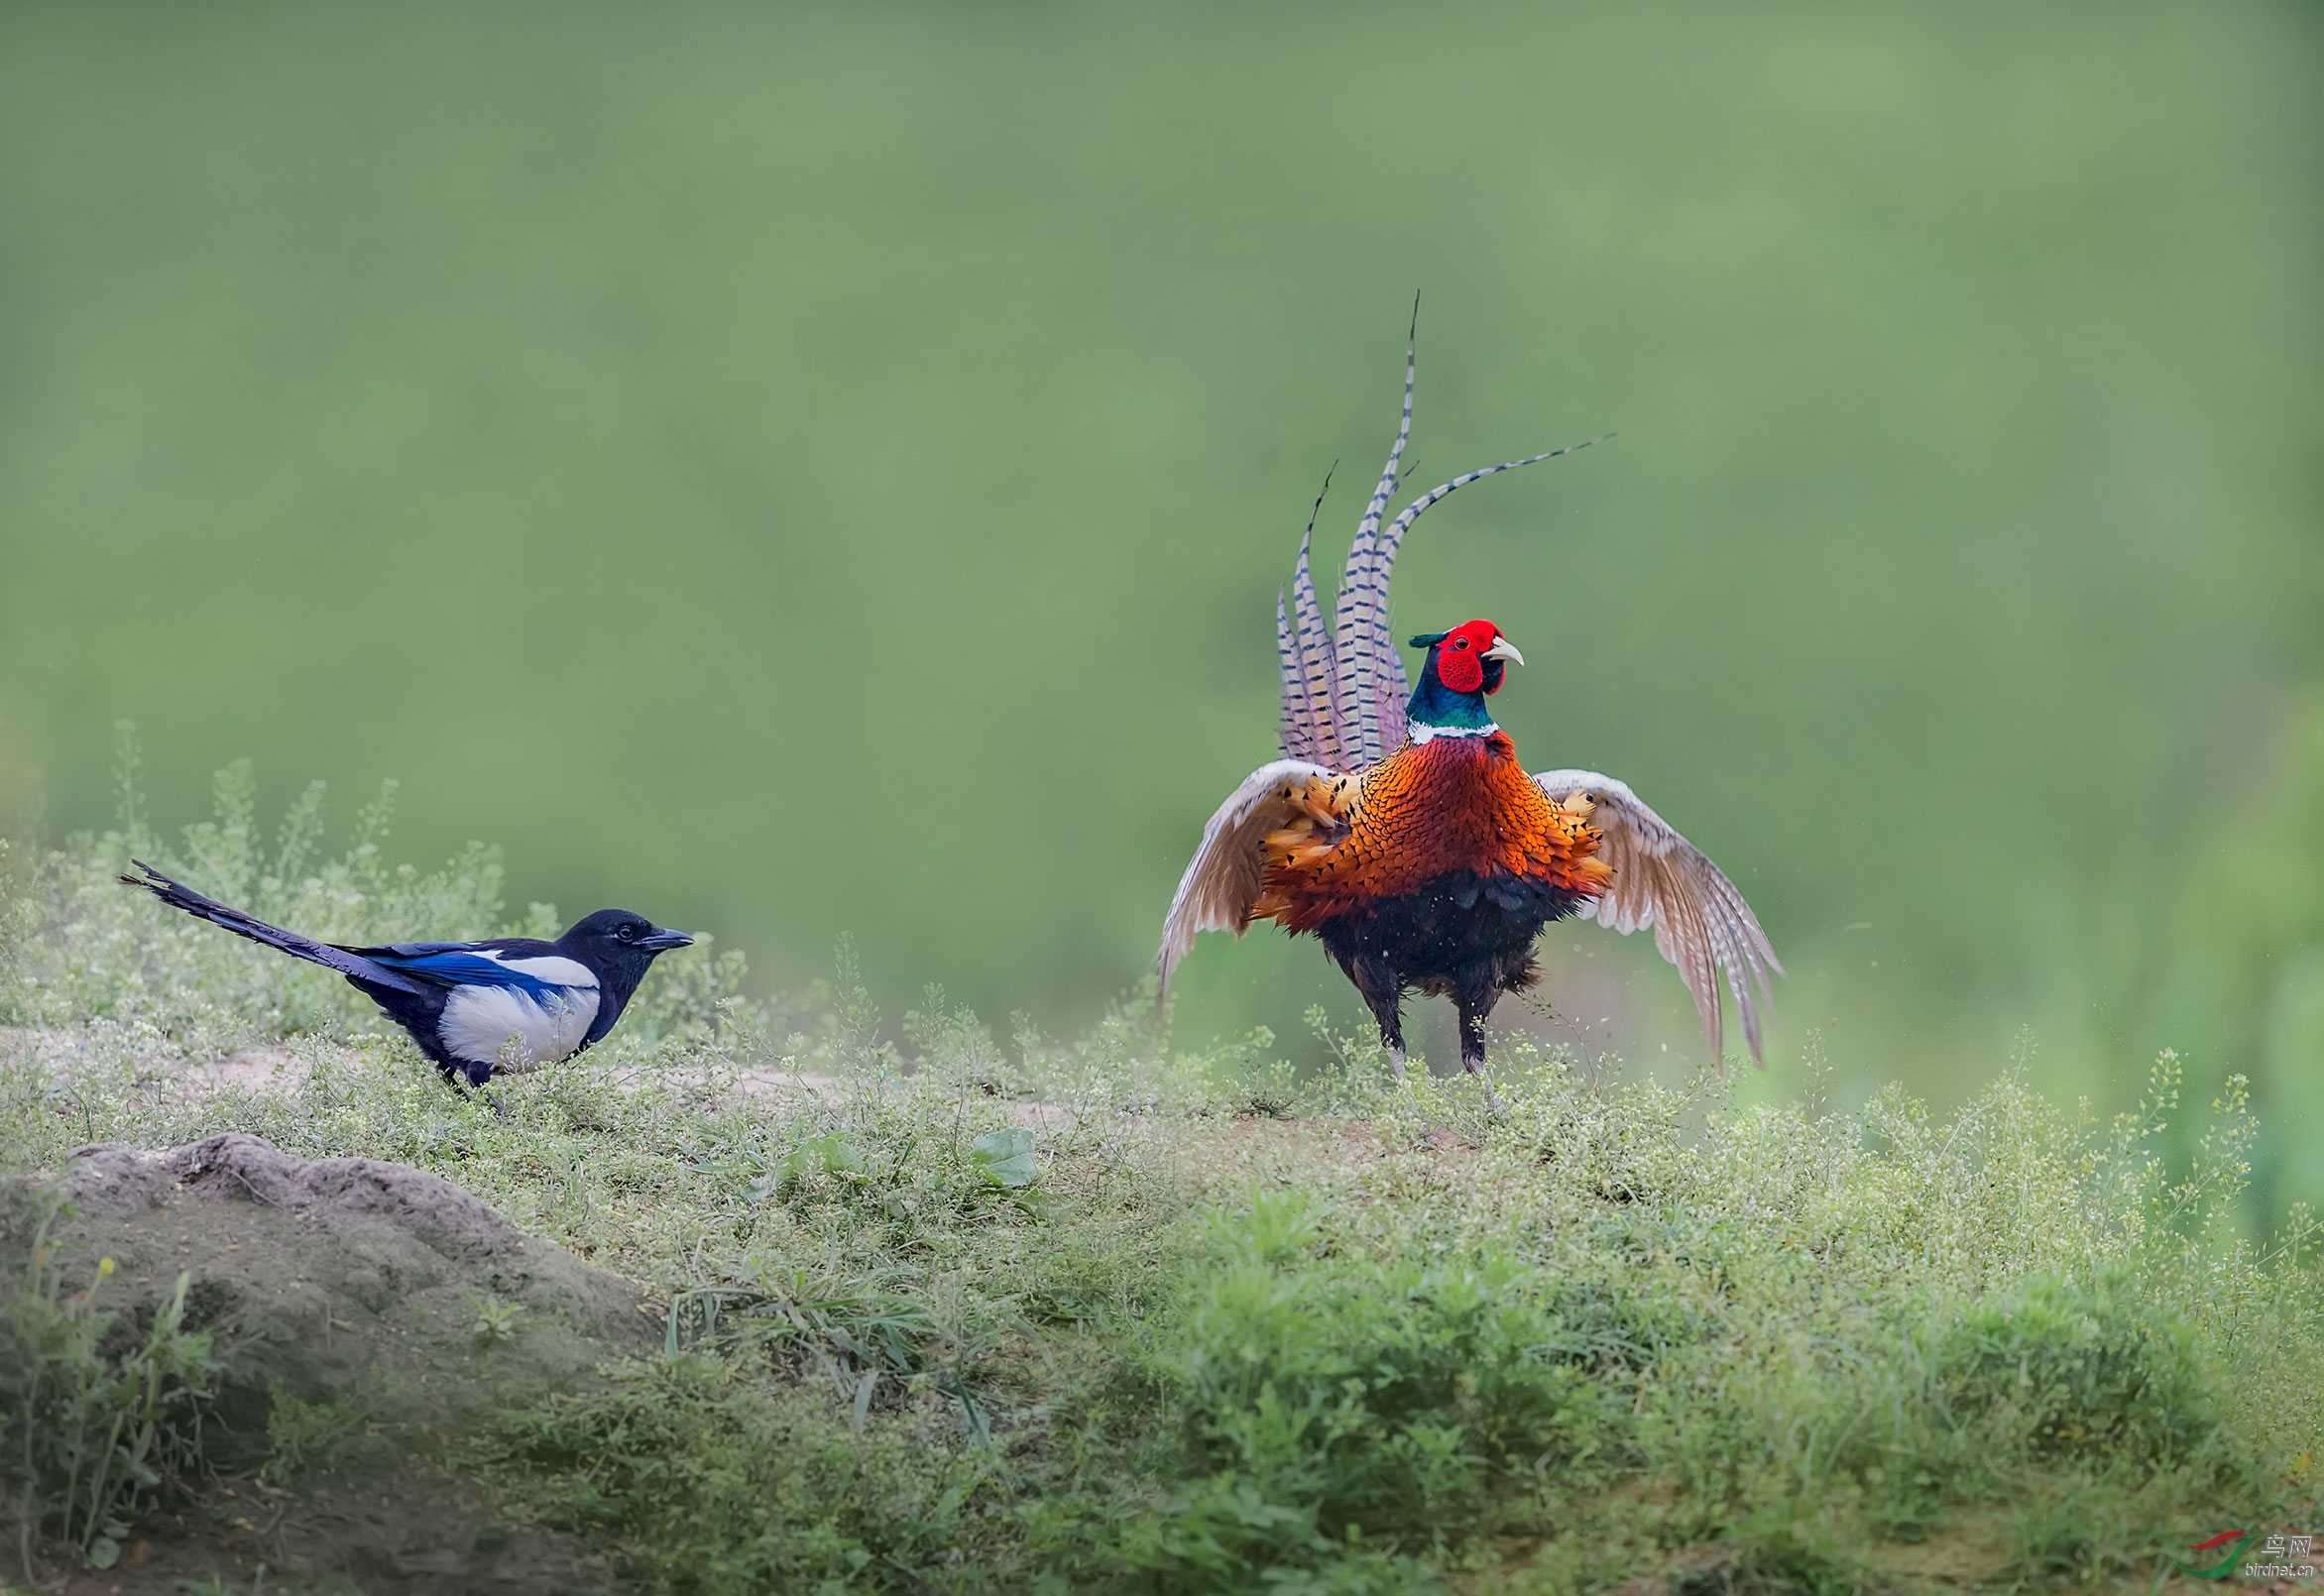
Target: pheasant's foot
column 1476, row 1066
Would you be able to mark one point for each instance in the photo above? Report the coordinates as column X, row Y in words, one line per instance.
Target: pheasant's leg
column 1474, row 1003
column 1383, row 991
column 1472, row 1041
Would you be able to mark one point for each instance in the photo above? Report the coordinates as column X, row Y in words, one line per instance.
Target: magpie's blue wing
column 443, row 964
column 476, row 963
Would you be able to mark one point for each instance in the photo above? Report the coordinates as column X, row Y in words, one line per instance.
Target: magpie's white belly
column 478, row 1022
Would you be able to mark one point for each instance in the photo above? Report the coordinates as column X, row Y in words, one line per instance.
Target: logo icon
column 2233, row 1546
column 2228, row 1548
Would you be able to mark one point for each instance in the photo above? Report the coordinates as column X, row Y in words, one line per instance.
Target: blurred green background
column 795, row 469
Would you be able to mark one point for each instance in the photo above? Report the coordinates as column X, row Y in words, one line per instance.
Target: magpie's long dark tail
column 363, row 971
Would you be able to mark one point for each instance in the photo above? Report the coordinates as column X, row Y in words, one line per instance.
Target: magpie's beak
column 662, row 942
column 1503, row 648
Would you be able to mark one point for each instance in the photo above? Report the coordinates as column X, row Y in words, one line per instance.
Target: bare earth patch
column 362, row 1285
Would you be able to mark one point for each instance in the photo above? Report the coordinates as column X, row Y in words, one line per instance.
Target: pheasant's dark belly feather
column 1458, row 930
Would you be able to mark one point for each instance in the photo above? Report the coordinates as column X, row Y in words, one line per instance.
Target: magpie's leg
column 470, row 1080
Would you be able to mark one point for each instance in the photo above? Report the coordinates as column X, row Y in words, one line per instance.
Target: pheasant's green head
column 1464, row 666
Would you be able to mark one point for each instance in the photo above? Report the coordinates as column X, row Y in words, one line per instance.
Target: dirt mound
column 384, row 1312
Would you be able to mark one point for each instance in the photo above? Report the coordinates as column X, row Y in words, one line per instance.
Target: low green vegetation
column 940, row 1313
column 96, row 1415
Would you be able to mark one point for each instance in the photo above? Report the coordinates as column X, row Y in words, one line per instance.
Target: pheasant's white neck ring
column 1424, row 732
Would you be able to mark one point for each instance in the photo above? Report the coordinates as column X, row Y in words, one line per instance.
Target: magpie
column 463, row 1001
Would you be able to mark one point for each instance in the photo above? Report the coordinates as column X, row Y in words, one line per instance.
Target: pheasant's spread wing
column 1700, row 922
column 1222, row 882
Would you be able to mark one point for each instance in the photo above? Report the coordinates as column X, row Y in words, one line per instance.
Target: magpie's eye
column 627, row 933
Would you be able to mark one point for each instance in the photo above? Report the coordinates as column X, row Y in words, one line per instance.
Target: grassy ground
column 966, row 1315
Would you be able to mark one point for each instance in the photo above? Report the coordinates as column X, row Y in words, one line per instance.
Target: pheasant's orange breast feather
column 1430, row 808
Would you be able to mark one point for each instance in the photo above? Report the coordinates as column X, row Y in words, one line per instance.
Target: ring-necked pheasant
column 1406, row 837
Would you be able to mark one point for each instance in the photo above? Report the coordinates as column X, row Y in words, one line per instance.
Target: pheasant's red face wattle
column 1460, row 658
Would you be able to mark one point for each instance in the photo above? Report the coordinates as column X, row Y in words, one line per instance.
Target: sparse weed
column 496, row 1320
column 306, row 1438
column 97, row 1418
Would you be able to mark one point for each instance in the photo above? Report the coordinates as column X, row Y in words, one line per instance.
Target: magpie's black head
column 617, row 937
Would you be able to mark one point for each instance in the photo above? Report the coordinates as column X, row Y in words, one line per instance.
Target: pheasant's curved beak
column 1503, row 648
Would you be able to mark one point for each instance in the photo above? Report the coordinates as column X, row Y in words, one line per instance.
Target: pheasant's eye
column 1461, row 642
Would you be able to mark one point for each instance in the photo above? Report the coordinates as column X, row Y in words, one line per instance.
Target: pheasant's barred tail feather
column 1315, row 643
column 1309, row 730
column 1359, row 672
column 1344, row 688
column 1295, row 729
column 1389, row 695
